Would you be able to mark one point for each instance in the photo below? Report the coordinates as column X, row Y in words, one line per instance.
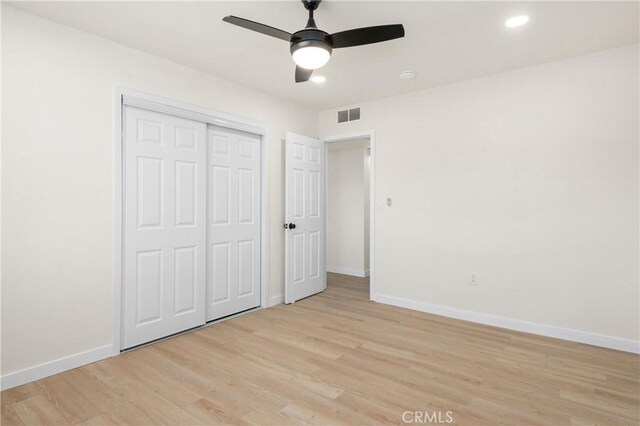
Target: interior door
column 233, row 283
column 164, row 225
column 305, row 272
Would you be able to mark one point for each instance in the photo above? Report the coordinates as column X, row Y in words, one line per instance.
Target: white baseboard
column 50, row 368
column 275, row 300
column 348, row 271
column 617, row 343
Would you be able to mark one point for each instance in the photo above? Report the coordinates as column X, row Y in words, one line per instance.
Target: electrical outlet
column 474, row 279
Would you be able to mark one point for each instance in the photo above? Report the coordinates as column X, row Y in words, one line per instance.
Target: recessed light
column 516, row 21
column 407, row 75
column 318, row 79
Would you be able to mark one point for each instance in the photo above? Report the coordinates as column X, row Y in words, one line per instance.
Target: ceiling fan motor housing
column 311, row 37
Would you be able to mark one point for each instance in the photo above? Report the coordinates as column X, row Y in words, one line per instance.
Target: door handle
column 292, row 226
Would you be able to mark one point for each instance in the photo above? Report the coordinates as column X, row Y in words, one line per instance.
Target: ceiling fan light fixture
column 311, row 54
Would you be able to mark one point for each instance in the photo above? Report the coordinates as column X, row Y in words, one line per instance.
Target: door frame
column 371, row 134
column 123, row 96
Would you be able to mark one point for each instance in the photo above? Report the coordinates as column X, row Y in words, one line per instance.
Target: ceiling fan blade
column 258, row 27
column 367, row 35
column 303, row 74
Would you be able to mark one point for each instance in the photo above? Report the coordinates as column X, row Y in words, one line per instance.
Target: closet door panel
column 164, row 225
column 233, row 279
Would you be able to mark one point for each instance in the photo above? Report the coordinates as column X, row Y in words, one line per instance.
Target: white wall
column 346, row 198
column 527, row 178
column 58, row 174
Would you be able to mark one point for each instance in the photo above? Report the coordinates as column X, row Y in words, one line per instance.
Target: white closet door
column 164, row 225
column 233, row 280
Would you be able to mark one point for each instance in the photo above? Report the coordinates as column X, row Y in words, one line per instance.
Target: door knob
column 292, row 226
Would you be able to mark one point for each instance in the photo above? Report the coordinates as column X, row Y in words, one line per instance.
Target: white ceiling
column 445, row 42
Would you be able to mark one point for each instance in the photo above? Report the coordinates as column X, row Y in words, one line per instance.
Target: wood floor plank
column 338, row 358
column 39, row 410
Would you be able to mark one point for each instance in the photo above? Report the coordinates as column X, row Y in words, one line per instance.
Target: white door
column 164, row 225
column 233, row 283
column 305, row 272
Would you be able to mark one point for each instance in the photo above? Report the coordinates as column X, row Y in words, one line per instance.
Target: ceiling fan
column 311, row 47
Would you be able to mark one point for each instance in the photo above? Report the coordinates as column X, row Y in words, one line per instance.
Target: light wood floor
column 337, row 358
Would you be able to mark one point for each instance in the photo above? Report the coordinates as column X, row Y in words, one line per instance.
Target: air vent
column 349, row 115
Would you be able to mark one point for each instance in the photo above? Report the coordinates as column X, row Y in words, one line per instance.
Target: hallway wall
column 347, row 242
